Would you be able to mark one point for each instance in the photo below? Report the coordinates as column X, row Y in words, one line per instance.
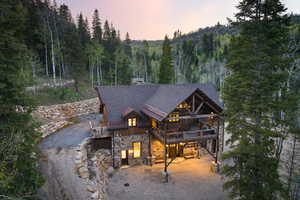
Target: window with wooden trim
column 132, row 122
column 154, row 123
column 137, row 149
column 174, row 117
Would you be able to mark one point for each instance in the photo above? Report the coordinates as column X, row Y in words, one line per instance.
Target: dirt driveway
column 190, row 180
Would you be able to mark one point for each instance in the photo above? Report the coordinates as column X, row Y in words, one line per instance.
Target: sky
column 153, row 19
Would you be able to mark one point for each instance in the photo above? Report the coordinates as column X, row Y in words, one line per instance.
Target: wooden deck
column 185, row 136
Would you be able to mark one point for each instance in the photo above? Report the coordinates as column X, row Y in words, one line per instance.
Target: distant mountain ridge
column 197, row 35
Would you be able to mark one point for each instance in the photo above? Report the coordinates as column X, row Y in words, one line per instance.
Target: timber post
column 165, row 154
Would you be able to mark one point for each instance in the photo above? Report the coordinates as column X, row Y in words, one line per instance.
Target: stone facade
column 123, row 140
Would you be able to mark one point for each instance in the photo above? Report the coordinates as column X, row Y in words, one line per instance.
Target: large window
column 174, row 117
column 137, row 149
column 154, row 124
column 132, row 122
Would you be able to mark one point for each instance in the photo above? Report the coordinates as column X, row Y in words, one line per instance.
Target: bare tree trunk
column 101, row 75
column 46, row 58
column 116, row 72
column 53, row 57
column 98, row 75
column 60, row 50
column 52, row 52
column 146, row 68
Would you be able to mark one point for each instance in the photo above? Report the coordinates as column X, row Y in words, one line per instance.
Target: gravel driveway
column 72, row 135
column 190, row 180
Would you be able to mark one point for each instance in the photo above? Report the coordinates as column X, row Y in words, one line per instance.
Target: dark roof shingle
column 153, row 100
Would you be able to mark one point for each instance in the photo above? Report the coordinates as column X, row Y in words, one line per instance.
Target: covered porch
column 196, row 130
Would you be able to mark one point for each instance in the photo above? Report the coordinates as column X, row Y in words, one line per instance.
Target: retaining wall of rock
column 56, row 117
column 94, row 168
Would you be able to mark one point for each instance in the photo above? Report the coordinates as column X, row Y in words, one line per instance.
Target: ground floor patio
column 190, row 179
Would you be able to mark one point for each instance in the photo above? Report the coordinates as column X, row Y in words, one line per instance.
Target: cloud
column 152, row 19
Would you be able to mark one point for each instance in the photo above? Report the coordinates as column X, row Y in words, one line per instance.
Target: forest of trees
column 254, row 62
column 261, row 97
column 67, row 48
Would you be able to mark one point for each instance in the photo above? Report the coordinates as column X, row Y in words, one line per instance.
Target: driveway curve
column 71, row 136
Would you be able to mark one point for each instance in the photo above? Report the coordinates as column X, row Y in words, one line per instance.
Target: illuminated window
column 174, row 117
column 132, row 122
column 123, row 154
column 136, row 149
column 183, row 105
column 154, row 124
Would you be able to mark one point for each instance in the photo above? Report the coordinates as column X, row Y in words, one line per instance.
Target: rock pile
column 59, row 116
column 52, row 127
column 81, row 163
column 68, row 110
column 102, row 169
column 95, row 170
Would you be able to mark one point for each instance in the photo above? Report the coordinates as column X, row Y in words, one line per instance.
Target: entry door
column 124, row 157
column 172, row 151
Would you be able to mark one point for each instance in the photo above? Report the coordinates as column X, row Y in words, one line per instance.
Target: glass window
column 154, row 124
column 132, row 122
column 136, row 149
column 123, row 154
column 174, row 117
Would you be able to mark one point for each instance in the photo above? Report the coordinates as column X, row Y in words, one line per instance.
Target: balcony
column 186, row 136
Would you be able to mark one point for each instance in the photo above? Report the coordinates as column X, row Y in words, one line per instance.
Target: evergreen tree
column 166, row 68
column 127, row 46
column 75, row 55
column 123, row 73
column 97, row 30
column 84, row 36
column 255, row 98
column 106, row 33
column 19, row 176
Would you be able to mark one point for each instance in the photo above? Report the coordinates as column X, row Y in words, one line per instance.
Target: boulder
column 95, row 195
column 91, row 188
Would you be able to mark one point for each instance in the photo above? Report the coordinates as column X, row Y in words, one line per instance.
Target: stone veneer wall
column 123, row 141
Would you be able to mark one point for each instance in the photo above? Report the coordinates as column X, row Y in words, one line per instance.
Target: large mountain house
column 157, row 123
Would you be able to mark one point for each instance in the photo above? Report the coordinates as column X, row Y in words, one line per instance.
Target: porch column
column 165, row 155
column 217, row 146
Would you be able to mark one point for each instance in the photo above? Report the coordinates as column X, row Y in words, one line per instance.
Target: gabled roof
column 128, row 111
column 155, row 101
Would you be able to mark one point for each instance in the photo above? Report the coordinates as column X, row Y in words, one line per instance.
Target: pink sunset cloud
column 152, row 19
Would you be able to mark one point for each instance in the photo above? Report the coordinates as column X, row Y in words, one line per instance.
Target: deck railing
column 99, row 131
column 185, row 136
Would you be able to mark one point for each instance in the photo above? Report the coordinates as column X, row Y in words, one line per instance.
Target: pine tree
column 255, row 98
column 107, row 31
column 97, row 30
column 166, row 68
column 84, row 36
column 19, row 176
column 127, row 46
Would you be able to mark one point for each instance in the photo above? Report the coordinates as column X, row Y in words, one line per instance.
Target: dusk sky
column 152, row 19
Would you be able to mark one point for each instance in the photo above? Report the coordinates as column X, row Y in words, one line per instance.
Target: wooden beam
column 188, row 132
column 199, row 107
column 191, row 139
column 194, row 116
column 193, row 109
column 212, row 107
